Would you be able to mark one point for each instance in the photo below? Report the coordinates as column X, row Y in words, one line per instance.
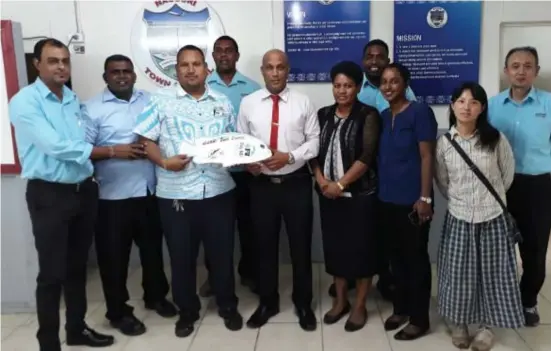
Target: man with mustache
column 127, row 210
column 375, row 59
column 282, row 186
column 227, row 80
column 196, row 201
column 61, row 193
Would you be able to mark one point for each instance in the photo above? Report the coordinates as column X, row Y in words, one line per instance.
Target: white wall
column 257, row 26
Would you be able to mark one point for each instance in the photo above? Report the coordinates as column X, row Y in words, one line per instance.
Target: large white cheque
column 228, row 149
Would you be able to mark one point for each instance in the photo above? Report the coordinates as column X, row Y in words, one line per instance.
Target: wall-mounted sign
column 163, row 27
column 439, row 42
column 319, row 34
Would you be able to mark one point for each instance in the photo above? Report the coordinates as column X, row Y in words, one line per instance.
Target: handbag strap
column 476, row 171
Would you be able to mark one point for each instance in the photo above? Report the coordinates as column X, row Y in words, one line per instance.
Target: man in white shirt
column 287, row 121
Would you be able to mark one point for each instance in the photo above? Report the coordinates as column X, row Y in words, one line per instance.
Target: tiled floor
column 282, row 334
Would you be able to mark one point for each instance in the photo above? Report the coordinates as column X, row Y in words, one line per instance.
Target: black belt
column 76, row 187
column 279, row 179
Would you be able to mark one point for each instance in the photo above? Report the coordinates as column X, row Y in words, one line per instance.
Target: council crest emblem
column 437, row 17
column 161, row 28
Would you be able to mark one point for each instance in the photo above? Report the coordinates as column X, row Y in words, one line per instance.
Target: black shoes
column 531, row 317
column 332, row 319
column 89, row 337
column 129, row 325
column 185, row 324
column 163, row 308
column 261, row 316
column 306, row 318
column 232, row 319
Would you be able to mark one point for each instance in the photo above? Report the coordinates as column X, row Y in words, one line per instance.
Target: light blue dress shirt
column 527, row 126
column 172, row 117
column 239, row 87
column 111, row 121
column 371, row 95
column 50, row 135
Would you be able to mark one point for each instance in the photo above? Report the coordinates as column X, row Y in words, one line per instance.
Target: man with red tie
column 282, row 187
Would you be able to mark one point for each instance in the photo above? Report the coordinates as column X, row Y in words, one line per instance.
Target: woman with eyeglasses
column 477, row 265
column 346, row 185
column 405, row 164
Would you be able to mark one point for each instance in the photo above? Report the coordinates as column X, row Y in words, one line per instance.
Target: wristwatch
column 291, row 159
column 428, row 200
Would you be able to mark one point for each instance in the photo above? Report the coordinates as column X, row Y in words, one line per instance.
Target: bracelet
column 111, row 152
column 163, row 164
column 340, row 186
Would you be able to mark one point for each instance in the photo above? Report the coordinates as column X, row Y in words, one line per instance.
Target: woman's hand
column 332, row 190
column 424, row 211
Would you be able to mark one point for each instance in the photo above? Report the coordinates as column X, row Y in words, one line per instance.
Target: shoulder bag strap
column 476, row 171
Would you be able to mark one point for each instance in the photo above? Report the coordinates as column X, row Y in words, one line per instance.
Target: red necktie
column 275, row 122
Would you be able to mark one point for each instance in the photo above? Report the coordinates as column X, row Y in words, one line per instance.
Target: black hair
column 376, row 42
column 489, row 136
column 39, row 46
column 529, row 49
column 350, row 69
column 116, row 58
column 403, row 71
column 190, row 48
column 228, row 38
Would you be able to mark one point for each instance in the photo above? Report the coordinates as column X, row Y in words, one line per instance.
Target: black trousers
column 529, row 201
column 385, row 276
column 406, row 245
column 246, row 265
column 62, row 217
column 120, row 223
column 270, row 202
column 187, row 223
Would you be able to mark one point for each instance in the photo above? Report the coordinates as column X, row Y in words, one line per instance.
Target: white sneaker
column 483, row 340
column 460, row 337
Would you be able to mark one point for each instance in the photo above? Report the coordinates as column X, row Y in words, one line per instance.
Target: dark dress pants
column 529, row 201
column 62, row 217
column 407, row 247
column 120, row 223
column 187, row 224
column 290, row 200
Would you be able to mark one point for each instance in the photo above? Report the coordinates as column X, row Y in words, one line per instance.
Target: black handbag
column 511, row 223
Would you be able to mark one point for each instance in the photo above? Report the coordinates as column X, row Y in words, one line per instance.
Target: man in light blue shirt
column 61, row 195
column 127, row 210
column 523, row 114
column 375, row 59
column 196, row 201
column 227, row 80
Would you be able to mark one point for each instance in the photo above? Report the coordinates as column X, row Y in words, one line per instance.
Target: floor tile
column 539, row 339
column 288, row 337
column 217, row 337
column 157, row 337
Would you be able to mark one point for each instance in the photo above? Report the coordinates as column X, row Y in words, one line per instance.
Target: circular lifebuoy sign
column 162, row 27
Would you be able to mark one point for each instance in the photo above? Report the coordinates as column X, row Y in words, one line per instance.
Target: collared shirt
column 111, row 121
column 468, row 198
column 50, row 135
column 399, row 158
column 527, row 126
column 174, row 116
column 371, row 95
column 239, row 87
column 298, row 131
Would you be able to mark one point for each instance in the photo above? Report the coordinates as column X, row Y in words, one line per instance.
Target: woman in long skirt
column 477, row 268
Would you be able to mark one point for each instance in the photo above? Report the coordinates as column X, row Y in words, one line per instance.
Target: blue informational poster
column 439, row 42
column 319, row 34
